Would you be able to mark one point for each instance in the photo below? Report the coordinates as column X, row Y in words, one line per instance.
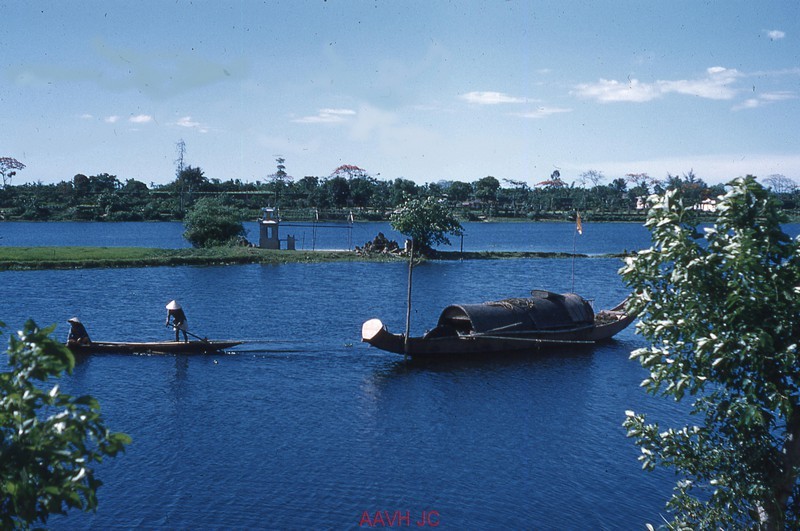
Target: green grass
column 29, row 258
column 96, row 257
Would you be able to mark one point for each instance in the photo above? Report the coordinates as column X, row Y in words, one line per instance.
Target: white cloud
column 716, row 85
column 775, row 35
column 112, row 119
column 86, row 116
column 327, row 116
column 490, row 98
column 749, row 103
column 140, row 119
column 543, row 112
column 187, row 122
column 765, row 99
column 779, row 96
column 607, row 91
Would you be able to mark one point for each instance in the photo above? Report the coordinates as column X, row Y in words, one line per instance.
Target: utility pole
column 181, row 149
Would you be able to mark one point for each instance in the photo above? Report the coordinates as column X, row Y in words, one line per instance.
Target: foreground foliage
column 48, row 439
column 720, row 310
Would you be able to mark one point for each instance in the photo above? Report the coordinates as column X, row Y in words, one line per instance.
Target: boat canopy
column 544, row 310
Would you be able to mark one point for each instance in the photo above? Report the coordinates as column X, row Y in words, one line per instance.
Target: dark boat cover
column 542, row 311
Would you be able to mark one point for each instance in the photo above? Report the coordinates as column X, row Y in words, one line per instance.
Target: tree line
column 352, row 190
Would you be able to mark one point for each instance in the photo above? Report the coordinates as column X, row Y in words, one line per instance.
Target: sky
column 425, row 90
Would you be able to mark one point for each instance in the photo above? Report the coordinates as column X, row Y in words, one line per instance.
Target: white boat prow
column 370, row 329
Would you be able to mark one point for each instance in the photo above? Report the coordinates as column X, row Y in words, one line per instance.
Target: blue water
column 597, row 238
column 305, row 427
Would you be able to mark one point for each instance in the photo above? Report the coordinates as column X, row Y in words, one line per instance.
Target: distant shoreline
column 637, row 220
column 44, row 258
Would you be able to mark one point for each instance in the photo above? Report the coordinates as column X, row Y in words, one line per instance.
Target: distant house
column 706, row 205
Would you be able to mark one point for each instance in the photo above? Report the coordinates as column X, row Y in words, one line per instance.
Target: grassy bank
column 26, row 258
column 30, row 258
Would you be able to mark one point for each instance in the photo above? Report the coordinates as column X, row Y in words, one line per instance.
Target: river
column 305, row 427
column 546, row 237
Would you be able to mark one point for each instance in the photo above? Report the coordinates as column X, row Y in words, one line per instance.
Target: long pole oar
column 203, row 339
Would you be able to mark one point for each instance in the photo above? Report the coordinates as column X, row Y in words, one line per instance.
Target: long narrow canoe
column 154, row 347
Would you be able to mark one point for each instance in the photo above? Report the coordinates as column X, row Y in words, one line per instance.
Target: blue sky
column 424, row 90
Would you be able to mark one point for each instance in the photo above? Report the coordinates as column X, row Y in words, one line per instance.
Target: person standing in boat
column 179, row 323
column 78, row 336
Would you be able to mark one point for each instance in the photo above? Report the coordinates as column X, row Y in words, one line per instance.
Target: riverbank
column 32, row 258
column 28, row 258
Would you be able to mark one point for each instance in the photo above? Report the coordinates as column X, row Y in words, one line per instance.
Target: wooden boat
column 544, row 320
column 154, row 347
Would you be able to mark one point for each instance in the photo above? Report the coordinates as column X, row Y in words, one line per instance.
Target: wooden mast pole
column 408, row 301
column 578, row 230
column 574, row 244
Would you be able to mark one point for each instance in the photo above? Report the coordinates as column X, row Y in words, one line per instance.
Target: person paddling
column 78, row 336
column 179, row 323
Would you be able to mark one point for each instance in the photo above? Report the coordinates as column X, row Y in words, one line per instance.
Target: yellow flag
column 578, row 225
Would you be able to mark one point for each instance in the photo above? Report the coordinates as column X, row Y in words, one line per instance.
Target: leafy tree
column 103, row 183
column 132, row 186
column 211, row 222
column 350, row 172
column 486, row 188
column 592, row 177
column 305, row 191
column 720, row 311
column 339, row 189
column 619, row 185
column 8, row 169
column 361, row 190
column 402, row 189
column 279, row 181
column 81, row 184
column 427, row 221
column 48, row 439
column 459, row 191
column 191, row 178
column 281, row 174
column 780, row 184
column 693, row 189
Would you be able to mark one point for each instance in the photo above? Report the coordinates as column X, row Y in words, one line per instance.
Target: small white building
column 268, row 233
column 268, row 229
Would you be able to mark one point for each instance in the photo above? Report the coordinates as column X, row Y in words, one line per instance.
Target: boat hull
column 607, row 324
column 154, row 347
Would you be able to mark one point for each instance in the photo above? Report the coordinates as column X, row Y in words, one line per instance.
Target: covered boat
column 154, row 347
column 545, row 319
